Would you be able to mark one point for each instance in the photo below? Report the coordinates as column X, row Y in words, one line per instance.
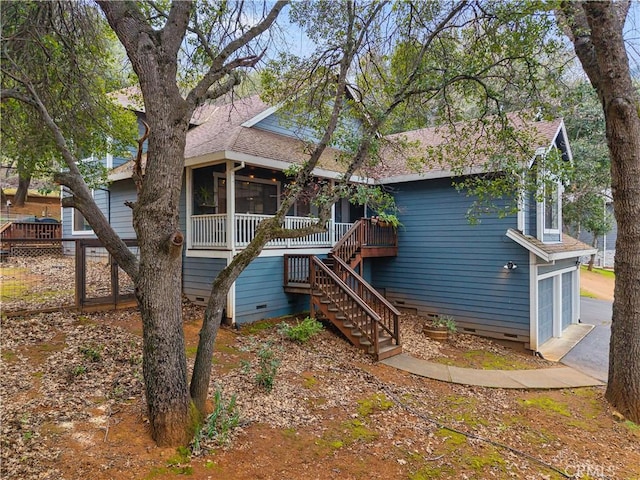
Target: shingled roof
column 131, row 99
column 225, row 134
column 569, row 247
column 394, row 165
column 229, row 131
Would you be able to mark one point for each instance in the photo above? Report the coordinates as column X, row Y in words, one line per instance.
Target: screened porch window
column 256, row 196
column 253, row 195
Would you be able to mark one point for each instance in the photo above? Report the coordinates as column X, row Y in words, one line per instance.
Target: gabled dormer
column 540, row 214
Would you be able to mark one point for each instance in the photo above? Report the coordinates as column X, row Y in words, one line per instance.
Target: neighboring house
column 606, row 244
column 438, row 263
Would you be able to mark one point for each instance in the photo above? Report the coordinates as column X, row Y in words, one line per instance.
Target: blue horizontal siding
column 445, row 265
column 273, row 123
column 558, row 265
column 121, row 215
column 261, row 284
column 198, row 275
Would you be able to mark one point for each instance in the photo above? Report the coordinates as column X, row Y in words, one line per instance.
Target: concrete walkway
column 545, row 378
column 591, row 355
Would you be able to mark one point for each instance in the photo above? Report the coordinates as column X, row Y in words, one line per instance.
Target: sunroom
column 227, row 200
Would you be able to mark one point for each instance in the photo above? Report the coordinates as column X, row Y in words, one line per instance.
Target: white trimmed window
column 552, row 207
column 79, row 225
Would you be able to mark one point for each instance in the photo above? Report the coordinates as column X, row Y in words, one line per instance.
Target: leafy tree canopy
column 69, row 54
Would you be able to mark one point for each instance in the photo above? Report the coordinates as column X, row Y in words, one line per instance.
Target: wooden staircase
column 340, row 295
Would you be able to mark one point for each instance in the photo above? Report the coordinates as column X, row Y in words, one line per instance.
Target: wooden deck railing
column 345, row 300
column 350, row 243
column 377, row 236
column 31, row 230
column 296, row 270
column 364, row 234
column 388, row 313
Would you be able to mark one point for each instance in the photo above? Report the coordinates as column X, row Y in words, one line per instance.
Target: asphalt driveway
column 591, row 354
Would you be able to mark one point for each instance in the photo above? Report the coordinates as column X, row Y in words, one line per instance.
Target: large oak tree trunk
column 598, row 40
column 154, row 57
column 158, row 284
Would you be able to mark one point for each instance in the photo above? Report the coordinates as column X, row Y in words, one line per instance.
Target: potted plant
column 388, row 220
column 440, row 327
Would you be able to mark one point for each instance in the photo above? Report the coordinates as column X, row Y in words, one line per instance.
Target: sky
column 299, row 44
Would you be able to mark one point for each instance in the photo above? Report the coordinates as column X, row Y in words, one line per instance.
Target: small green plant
column 444, row 321
column 79, row 370
column 219, row 424
column 267, row 367
column 302, row 331
column 91, row 353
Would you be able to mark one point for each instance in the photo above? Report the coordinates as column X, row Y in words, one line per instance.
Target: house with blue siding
column 514, row 277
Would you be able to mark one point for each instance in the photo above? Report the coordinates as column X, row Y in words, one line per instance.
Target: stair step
column 389, row 351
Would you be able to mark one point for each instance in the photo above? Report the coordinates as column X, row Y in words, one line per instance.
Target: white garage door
column 545, row 310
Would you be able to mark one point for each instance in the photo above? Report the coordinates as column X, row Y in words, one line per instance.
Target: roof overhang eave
column 516, row 237
column 431, row 175
column 546, row 256
column 267, row 163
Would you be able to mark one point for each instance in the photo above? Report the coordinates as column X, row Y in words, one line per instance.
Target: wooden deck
column 342, row 296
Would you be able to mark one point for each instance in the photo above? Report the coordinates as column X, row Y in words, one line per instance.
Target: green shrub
column 302, row 331
column 267, row 367
column 445, row 321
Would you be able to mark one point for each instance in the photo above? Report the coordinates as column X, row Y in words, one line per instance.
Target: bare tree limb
column 137, row 174
column 218, row 62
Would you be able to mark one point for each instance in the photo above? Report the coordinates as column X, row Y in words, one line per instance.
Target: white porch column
column 189, row 209
column 231, row 303
column 332, row 222
column 231, row 206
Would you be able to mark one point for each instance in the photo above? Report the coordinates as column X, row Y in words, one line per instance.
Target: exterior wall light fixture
column 510, row 265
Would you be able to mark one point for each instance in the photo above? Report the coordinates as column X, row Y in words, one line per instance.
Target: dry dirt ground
column 596, row 284
column 73, row 408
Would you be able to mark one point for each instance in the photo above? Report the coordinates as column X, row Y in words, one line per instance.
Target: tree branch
column 83, row 199
column 198, row 93
column 176, row 26
column 7, row 93
column 137, row 174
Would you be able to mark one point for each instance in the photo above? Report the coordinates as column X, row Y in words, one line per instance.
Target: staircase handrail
column 390, row 309
column 317, row 262
column 371, row 314
column 341, row 245
column 5, row 226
